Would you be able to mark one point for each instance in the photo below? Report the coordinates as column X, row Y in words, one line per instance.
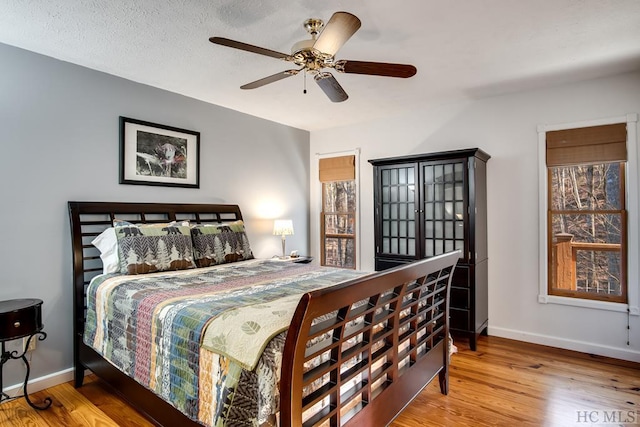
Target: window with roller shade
column 338, row 215
column 586, row 213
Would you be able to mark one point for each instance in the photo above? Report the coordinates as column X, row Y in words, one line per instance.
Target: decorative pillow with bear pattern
column 220, row 243
column 147, row 248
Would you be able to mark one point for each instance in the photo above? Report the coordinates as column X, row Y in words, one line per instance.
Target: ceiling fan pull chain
column 304, row 90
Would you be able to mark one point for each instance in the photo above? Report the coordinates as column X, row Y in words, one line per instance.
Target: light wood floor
column 503, row 383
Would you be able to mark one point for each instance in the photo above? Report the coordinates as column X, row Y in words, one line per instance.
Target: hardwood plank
column 16, row 413
column 508, row 382
column 124, row 415
column 71, row 408
column 503, row 383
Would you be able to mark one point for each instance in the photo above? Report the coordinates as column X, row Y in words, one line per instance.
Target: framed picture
column 153, row 154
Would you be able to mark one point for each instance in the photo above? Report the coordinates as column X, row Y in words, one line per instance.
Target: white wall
column 506, row 128
column 59, row 138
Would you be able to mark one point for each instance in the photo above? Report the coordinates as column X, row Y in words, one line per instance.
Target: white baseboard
column 37, row 384
column 581, row 346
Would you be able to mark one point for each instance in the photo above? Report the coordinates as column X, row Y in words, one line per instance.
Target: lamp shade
column 283, row 227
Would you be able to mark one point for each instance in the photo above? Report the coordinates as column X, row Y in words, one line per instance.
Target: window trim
column 632, row 207
column 319, row 200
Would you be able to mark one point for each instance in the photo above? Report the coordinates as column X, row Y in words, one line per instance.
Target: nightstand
column 20, row 318
column 297, row 259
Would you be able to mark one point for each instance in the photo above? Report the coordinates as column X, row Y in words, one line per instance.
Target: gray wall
column 59, row 138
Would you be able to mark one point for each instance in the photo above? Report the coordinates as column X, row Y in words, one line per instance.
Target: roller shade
column 595, row 144
column 341, row 168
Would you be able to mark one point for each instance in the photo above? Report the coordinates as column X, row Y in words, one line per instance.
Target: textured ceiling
column 463, row 49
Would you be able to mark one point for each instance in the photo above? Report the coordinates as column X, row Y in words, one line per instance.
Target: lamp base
column 283, row 244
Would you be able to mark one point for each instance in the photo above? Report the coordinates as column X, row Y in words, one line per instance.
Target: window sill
column 598, row 305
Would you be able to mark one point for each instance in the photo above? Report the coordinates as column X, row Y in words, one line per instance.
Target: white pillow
column 107, row 244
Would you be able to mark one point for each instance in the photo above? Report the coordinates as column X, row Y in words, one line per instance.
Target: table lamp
column 283, row 227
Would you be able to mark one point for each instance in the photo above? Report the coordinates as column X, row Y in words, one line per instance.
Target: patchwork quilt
column 209, row 340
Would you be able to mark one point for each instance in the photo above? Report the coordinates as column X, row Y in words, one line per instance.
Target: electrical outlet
column 32, row 344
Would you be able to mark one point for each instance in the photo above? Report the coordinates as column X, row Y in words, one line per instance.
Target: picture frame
column 155, row 154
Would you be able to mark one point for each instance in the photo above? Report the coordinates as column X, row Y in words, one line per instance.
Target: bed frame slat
column 383, row 365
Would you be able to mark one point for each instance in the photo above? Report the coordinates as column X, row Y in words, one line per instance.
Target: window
column 586, row 213
column 338, row 216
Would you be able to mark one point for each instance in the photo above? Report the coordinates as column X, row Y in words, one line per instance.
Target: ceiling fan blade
column 248, row 47
column 375, row 68
column 331, row 87
column 338, row 30
column 274, row 78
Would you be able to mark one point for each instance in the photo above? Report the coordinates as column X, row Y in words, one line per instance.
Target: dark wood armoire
column 429, row 204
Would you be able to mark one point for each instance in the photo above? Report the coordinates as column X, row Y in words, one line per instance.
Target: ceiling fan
column 317, row 54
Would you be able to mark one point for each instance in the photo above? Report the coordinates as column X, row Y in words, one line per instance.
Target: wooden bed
column 403, row 329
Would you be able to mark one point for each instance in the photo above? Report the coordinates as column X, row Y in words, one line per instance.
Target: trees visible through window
column 338, row 223
column 587, row 227
column 338, row 216
column 587, row 244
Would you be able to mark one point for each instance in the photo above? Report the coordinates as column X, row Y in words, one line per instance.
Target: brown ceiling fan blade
column 248, row 47
column 338, row 30
column 274, row 78
column 376, row 68
column 331, row 87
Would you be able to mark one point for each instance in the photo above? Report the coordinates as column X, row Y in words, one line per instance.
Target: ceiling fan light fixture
column 302, row 46
column 303, row 52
